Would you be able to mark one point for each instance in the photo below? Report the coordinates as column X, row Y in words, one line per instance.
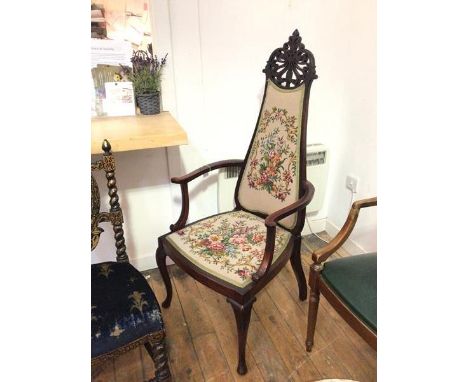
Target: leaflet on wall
column 110, row 52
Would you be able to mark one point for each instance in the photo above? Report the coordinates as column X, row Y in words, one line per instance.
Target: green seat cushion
column 354, row 279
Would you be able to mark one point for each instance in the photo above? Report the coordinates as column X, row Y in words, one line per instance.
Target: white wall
column 213, row 86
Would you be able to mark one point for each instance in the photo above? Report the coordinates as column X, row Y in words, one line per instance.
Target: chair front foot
column 162, row 266
column 242, row 313
column 242, row 368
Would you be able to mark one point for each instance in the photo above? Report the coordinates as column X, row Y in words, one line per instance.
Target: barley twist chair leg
column 157, row 351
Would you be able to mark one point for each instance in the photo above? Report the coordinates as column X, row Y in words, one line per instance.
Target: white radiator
column 227, row 179
column 317, row 174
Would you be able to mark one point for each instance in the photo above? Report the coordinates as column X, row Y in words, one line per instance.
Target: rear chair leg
column 242, row 313
column 314, row 300
column 297, row 268
column 162, row 266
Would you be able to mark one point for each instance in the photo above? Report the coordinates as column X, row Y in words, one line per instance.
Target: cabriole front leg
column 162, row 266
column 242, row 313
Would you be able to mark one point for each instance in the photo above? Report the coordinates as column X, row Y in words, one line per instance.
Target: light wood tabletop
column 137, row 132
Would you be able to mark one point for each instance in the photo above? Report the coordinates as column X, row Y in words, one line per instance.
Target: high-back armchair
column 124, row 311
column 237, row 253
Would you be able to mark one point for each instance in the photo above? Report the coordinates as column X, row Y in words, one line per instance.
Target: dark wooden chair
column 237, row 253
column 124, row 311
column 349, row 284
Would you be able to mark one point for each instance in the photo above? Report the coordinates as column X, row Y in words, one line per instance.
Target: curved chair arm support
column 185, row 179
column 207, row 168
column 322, row 254
column 271, row 221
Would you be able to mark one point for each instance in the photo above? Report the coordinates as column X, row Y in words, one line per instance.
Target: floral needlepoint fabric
column 229, row 246
column 271, row 177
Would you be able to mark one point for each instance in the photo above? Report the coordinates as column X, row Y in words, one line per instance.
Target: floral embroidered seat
column 237, row 253
column 123, row 307
column 229, row 246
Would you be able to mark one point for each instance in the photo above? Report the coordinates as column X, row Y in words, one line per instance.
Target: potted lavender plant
column 146, row 78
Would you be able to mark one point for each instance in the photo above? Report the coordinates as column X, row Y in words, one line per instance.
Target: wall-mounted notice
column 110, row 52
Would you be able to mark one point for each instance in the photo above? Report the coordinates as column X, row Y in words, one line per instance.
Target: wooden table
column 136, row 132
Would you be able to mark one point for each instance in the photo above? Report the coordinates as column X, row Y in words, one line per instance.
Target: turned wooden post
column 115, row 213
column 314, row 299
column 156, row 348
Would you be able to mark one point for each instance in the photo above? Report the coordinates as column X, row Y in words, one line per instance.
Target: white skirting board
column 314, row 225
column 147, row 262
column 144, row 263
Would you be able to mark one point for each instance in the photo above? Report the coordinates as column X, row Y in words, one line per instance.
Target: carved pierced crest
column 290, row 66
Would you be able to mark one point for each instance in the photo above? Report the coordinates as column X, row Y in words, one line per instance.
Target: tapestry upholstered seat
column 237, row 253
column 123, row 307
column 229, row 246
column 124, row 311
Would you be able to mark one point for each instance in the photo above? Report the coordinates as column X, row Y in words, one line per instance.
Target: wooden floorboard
column 147, row 363
column 224, row 325
column 300, row 367
column 202, row 336
column 107, row 374
column 128, row 367
column 182, row 356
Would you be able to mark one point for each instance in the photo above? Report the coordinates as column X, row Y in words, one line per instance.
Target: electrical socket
column 351, row 183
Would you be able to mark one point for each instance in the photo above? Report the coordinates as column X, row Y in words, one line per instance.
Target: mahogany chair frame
column 319, row 286
column 288, row 68
column 154, row 343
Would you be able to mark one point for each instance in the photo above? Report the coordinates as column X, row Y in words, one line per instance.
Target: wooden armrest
column 185, row 179
column 322, row 254
column 207, row 168
column 300, row 204
column 270, row 223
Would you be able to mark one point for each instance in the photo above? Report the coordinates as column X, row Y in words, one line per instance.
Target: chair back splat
column 275, row 163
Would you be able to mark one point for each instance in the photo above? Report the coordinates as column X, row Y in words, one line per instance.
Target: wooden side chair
column 237, row 253
column 124, row 311
column 349, row 284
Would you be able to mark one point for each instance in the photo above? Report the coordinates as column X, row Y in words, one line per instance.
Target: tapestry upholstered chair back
column 275, row 162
